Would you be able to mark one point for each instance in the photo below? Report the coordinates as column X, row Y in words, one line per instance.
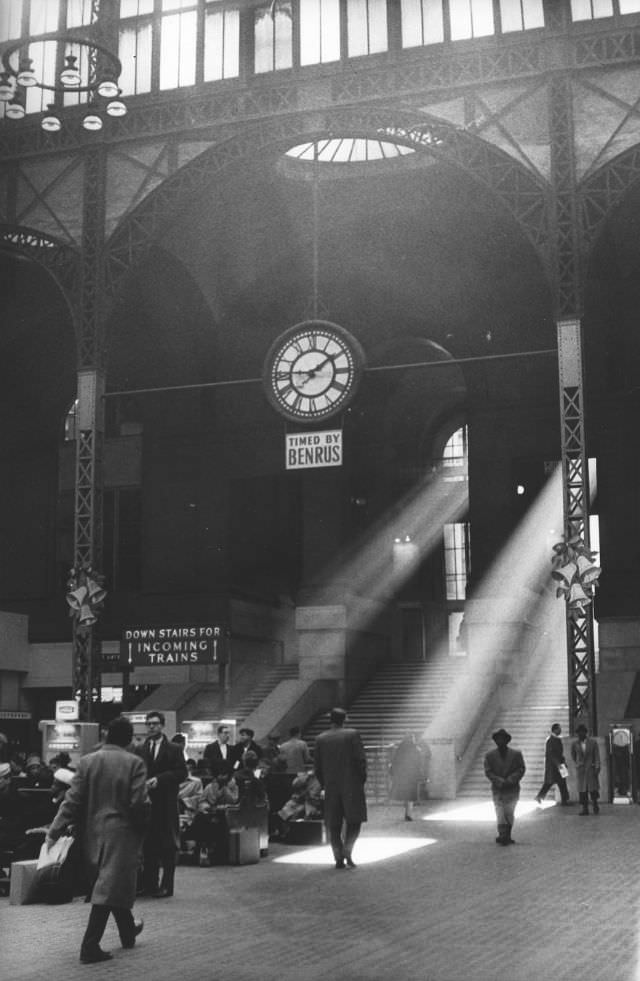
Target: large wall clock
column 312, row 371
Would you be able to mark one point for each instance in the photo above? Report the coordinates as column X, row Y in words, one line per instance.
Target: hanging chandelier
column 93, row 71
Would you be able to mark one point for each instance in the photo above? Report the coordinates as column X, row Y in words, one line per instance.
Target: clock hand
column 312, row 372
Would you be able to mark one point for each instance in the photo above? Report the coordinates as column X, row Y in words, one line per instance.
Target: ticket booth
column 621, row 764
column 72, row 737
column 200, row 732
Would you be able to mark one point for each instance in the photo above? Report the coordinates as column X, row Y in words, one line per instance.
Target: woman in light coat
column 108, row 802
column 407, row 772
column 586, row 756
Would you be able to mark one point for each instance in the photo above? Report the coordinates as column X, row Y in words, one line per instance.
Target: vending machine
column 200, row 732
column 72, row 737
column 621, row 763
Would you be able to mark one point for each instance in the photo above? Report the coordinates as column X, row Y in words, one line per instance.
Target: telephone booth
column 621, row 764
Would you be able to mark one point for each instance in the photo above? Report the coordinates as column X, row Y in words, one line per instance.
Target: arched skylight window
column 349, row 149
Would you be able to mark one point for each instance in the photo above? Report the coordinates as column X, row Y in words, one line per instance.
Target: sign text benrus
column 319, row 449
column 150, row 646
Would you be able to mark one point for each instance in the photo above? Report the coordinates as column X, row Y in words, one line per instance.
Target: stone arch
column 523, row 195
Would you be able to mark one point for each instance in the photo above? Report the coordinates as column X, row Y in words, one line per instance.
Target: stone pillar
column 322, row 645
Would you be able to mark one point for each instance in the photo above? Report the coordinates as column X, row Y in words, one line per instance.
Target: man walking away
column 505, row 769
column 108, row 800
column 341, row 768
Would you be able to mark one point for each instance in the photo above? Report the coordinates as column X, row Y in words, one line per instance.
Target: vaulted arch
column 522, row 194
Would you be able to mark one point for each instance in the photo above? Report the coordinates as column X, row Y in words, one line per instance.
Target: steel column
column 575, row 484
column 90, row 425
column 569, row 296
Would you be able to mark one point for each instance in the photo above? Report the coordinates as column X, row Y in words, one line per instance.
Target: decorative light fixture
column 6, row 87
column 16, row 107
column 51, row 121
column 99, row 82
column 108, row 88
column 26, row 76
column 70, row 76
column 92, row 121
column 116, row 107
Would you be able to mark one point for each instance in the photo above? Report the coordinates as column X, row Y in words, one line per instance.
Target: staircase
column 265, row 686
column 400, row 698
column 543, row 701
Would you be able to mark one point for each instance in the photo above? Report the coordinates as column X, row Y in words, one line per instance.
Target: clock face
column 312, row 370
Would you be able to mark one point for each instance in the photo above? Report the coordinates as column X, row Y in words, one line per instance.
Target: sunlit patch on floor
column 484, row 811
column 366, row 851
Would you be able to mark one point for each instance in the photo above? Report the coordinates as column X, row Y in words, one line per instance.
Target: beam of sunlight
column 483, row 812
column 369, row 569
column 512, row 591
column 366, row 851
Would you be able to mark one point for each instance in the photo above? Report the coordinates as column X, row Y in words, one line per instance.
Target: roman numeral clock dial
column 312, row 371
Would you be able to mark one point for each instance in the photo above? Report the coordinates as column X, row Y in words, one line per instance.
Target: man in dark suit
column 553, row 762
column 341, row 768
column 166, row 769
column 219, row 756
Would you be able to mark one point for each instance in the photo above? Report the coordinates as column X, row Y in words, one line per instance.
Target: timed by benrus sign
column 305, row 450
column 155, row 646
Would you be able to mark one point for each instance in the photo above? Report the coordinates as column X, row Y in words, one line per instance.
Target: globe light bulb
column 70, row 76
column 92, row 122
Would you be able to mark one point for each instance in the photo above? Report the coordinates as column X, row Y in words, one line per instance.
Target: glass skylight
column 349, row 149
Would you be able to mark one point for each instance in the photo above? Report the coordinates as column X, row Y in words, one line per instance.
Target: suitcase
column 244, row 846
column 305, row 833
column 22, row 882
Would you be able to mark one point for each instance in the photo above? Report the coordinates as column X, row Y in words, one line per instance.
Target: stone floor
column 431, row 900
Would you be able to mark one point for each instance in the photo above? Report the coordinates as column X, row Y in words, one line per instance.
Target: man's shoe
column 95, row 956
column 350, row 863
column 130, row 942
column 340, row 864
column 408, row 817
column 538, row 799
column 596, row 809
column 161, row 894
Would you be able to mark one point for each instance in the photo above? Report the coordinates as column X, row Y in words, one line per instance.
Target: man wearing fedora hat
column 505, row 769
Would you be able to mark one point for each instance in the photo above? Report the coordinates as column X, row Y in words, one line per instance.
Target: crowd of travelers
column 278, row 774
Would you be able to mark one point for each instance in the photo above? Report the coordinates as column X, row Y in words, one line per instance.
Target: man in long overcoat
column 166, row 770
column 107, row 800
column 586, row 756
column 505, row 769
column 341, row 767
column 553, row 760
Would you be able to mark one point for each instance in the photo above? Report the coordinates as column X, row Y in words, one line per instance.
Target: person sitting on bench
column 305, row 803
